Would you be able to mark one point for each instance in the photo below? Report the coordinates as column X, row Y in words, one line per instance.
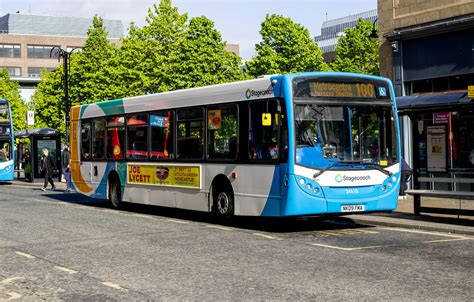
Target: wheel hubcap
column 222, row 203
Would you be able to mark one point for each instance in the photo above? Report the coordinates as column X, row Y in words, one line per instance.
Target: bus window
column 190, row 133
column 137, row 131
column 222, row 132
column 98, row 139
column 115, row 137
column 263, row 130
column 162, row 135
column 86, row 140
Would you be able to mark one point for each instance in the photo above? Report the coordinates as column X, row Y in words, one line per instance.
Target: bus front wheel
column 115, row 193
column 224, row 204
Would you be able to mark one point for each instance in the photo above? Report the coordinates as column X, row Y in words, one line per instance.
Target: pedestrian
column 66, row 168
column 26, row 161
column 47, row 167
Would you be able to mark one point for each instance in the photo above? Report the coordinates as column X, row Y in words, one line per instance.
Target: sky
column 238, row 20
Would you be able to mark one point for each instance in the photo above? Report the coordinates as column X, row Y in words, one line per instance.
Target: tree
column 286, row 47
column 10, row 91
column 202, row 59
column 357, row 51
column 90, row 79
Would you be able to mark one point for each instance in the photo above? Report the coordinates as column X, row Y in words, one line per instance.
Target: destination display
column 355, row 90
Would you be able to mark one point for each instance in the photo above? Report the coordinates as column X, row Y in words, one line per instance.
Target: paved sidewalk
column 402, row 217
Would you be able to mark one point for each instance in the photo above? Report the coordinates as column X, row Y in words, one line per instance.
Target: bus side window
column 190, row 127
column 115, row 137
column 86, row 140
column 137, row 134
column 162, row 134
column 98, row 139
column 263, row 130
column 222, row 132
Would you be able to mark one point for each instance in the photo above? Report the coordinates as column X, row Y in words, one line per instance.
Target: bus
column 7, row 140
column 285, row 145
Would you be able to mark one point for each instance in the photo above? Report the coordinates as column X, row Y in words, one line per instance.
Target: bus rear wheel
column 223, row 204
column 115, row 193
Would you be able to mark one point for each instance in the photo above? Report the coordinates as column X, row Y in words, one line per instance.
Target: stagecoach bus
column 284, row 145
column 6, row 142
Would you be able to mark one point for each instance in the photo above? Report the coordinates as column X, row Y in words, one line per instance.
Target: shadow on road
column 264, row 224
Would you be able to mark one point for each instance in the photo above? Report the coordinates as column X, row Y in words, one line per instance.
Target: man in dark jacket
column 47, row 167
column 65, row 166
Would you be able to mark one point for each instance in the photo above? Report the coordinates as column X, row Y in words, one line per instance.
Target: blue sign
column 382, row 91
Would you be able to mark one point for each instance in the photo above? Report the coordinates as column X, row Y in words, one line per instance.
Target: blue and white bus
column 284, row 145
column 6, row 142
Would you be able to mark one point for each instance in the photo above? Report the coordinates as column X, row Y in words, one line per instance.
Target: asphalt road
column 56, row 246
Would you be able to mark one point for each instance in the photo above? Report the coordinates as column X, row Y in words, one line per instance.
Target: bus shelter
column 440, row 137
column 38, row 139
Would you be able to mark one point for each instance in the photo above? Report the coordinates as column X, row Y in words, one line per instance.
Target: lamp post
column 61, row 53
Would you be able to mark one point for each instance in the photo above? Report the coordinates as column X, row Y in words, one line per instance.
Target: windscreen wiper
column 377, row 167
column 336, row 164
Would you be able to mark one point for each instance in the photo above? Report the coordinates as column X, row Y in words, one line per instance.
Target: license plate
column 353, row 208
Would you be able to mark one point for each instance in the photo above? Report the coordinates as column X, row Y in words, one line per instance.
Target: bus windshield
column 359, row 134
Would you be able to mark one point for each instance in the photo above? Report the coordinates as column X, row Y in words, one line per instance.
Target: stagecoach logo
column 258, row 93
column 340, row 178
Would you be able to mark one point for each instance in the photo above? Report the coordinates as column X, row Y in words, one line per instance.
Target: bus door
column 84, row 162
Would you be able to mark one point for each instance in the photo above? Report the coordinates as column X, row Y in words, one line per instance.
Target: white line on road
column 218, row 227
column 177, row 221
column 267, row 236
column 348, row 248
column 13, row 296
column 25, row 255
column 65, row 269
column 422, row 232
column 115, row 286
column 7, row 281
column 447, row 240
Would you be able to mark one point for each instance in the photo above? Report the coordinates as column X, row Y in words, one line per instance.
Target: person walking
column 65, row 166
column 47, row 167
column 26, row 161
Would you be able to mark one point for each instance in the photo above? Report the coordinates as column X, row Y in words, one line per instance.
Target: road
column 56, row 246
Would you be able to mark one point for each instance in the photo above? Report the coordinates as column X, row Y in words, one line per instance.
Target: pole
column 66, row 93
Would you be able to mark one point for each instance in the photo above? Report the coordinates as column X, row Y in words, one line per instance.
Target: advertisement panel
column 183, row 176
column 436, row 148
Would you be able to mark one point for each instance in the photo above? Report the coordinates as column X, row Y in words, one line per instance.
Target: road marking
column 25, row 255
column 422, row 232
column 446, row 240
column 13, row 296
column 65, row 269
column 218, row 227
column 266, row 236
column 342, row 232
column 348, row 249
column 7, row 281
column 115, row 286
column 142, row 216
column 177, row 221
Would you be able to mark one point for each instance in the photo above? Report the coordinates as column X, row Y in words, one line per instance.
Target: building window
column 13, row 71
column 73, row 49
column 10, row 51
column 35, row 72
column 41, row 52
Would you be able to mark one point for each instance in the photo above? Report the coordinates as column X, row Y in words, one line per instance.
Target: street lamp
column 61, row 53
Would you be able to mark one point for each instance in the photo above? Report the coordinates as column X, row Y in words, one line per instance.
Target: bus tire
column 223, row 204
column 115, row 192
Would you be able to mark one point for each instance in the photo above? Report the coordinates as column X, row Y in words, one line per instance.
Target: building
column 26, row 42
column 428, row 51
column 333, row 29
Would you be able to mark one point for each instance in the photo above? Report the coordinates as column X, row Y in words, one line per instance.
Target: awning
column 37, row 131
column 432, row 101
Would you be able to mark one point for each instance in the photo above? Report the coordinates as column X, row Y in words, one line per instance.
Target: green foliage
column 170, row 52
column 10, row 91
column 286, row 47
column 357, row 51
